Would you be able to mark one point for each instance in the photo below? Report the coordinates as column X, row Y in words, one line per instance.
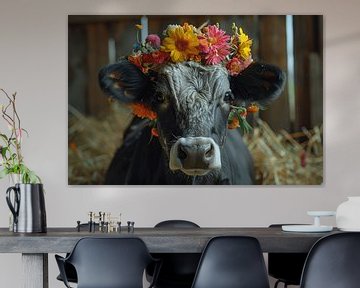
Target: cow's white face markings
column 192, row 96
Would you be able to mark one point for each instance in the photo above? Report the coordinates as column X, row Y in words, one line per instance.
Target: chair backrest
column 287, row 267
column 110, row 262
column 333, row 262
column 232, row 262
column 178, row 269
column 176, row 224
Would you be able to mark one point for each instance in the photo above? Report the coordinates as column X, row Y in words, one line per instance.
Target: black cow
column 193, row 102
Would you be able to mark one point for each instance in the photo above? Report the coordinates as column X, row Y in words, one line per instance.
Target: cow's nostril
column 181, row 153
column 209, row 152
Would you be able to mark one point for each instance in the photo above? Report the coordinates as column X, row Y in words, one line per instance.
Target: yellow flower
column 139, row 26
column 244, row 48
column 187, row 27
column 181, row 43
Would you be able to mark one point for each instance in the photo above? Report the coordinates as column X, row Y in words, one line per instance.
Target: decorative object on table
column 27, row 204
column 12, row 161
column 28, row 208
column 348, row 214
column 100, row 222
column 316, row 227
column 130, row 225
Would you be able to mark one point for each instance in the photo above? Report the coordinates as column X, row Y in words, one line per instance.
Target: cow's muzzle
column 195, row 156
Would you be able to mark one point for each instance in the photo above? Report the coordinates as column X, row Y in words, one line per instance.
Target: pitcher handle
column 13, row 208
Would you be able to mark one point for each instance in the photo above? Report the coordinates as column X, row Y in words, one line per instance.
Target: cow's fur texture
column 192, row 102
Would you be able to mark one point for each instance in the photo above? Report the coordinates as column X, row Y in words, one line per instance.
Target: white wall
column 33, row 62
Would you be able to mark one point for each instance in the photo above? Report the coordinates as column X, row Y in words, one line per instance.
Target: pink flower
column 245, row 63
column 218, row 46
column 236, row 66
column 153, row 40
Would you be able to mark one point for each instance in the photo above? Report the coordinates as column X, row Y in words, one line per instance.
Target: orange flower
column 253, row 108
column 195, row 58
column 154, row 132
column 143, row 111
column 137, row 61
column 234, row 123
column 156, row 57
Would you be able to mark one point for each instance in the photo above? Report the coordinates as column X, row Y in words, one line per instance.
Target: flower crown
column 207, row 45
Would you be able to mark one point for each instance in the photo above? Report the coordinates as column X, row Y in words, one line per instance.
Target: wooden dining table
column 35, row 247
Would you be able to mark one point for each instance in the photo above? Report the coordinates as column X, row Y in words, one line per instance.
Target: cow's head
column 193, row 103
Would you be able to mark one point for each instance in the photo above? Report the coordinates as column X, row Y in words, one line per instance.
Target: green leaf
column 27, row 175
column 4, row 137
column 4, row 173
column 231, row 115
column 245, row 126
column 3, row 151
column 34, row 178
column 26, row 132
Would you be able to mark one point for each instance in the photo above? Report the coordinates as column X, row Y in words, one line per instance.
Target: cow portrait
column 192, row 98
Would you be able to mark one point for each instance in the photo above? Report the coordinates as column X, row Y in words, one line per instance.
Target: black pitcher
column 28, row 207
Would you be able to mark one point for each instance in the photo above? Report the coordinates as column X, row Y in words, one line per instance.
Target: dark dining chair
column 231, row 262
column 108, row 263
column 333, row 262
column 178, row 269
column 286, row 267
column 70, row 271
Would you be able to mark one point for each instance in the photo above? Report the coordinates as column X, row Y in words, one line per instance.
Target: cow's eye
column 228, row 97
column 160, row 97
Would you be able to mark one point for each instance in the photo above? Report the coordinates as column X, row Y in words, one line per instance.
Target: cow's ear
column 124, row 81
column 260, row 83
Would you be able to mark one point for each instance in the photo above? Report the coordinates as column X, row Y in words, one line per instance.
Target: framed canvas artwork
column 195, row 100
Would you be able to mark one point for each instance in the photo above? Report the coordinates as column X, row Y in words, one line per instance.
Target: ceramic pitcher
column 27, row 207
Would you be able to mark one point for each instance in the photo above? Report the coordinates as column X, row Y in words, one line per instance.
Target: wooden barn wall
column 308, row 46
column 272, row 50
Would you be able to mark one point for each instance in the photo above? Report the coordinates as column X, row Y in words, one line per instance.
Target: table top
column 158, row 240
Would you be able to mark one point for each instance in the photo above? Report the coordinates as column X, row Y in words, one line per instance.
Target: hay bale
column 282, row 159
column 92, row 143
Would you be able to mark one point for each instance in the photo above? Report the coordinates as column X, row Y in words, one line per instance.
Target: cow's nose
column 195, row 154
